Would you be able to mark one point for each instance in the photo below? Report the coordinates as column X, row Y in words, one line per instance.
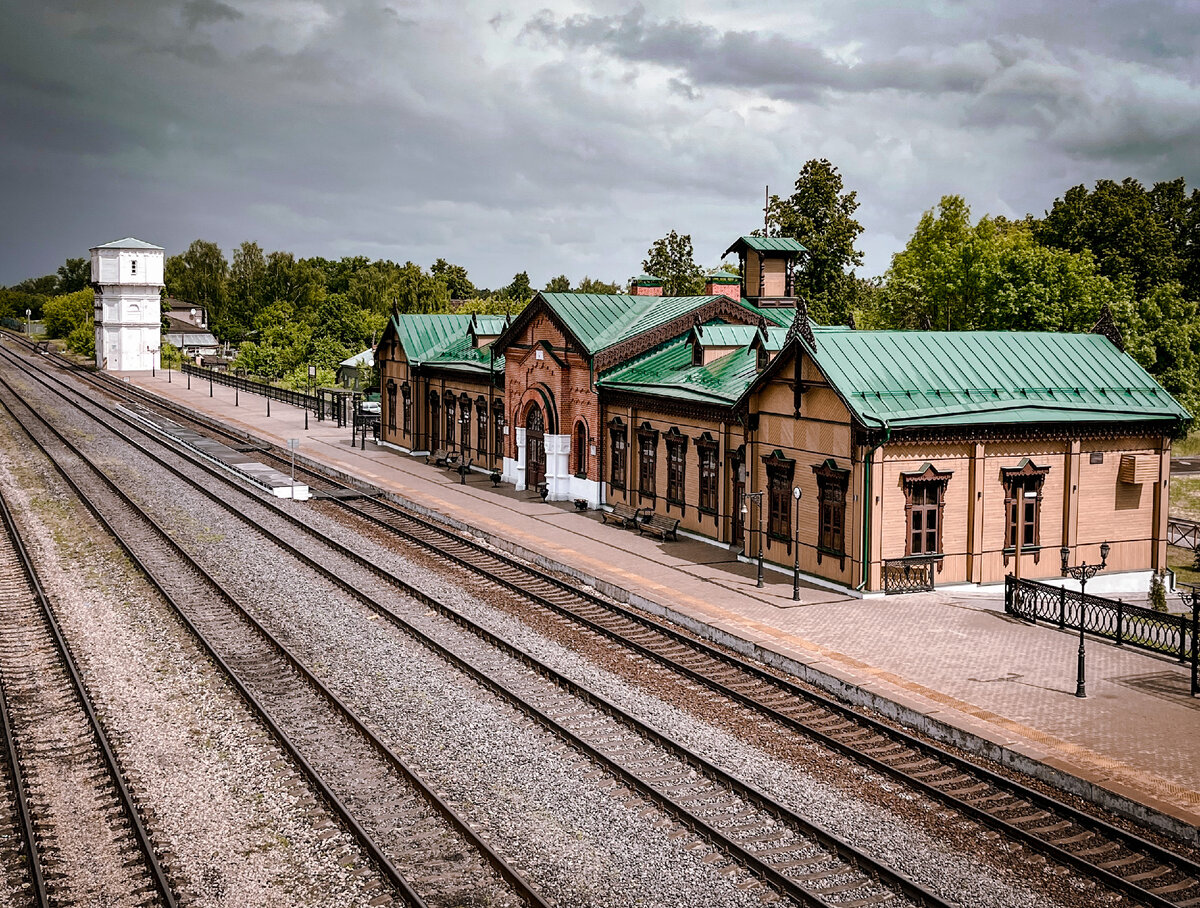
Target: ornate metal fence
column 908, row 575
column 286, row 395
column 1128, row 625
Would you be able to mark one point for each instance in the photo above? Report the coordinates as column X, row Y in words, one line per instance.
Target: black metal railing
column 263, row 389
column 913, row 574
column 1129, row 625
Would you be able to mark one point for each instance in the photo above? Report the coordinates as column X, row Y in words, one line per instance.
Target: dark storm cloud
column 507, row 139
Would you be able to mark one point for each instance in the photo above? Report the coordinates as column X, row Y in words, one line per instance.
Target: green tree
column 198, row 276
column 63, row 314
column 416, row 290
column 458, row 285
column 588, row 285
column 1163, row 335
column 73, row 275
column 519, row 290
column 672, row 260
column 820, row 215
column 247, row 282
column 560, row 284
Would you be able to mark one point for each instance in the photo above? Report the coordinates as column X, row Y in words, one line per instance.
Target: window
column 464, row 424
column 391, row 406
column 676, row 466
column 647, row 460
column 435, row 410
column 925, row 497
column 407, row 391
column 831, row 507
column 498, row 427
column 481, row 425
column 697, row 353
column 706, row 448
column 133, row 267
column 1023, row 503
column 620, row 443
column 580, row 453
column 450, row 408
column 780, row 471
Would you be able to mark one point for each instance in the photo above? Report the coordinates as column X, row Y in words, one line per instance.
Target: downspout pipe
column 866, row 517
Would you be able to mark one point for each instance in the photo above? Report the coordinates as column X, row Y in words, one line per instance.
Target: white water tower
column 128, row 278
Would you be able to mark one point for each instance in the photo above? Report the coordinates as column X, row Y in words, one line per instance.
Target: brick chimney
column 646, row 285
column 722, row 283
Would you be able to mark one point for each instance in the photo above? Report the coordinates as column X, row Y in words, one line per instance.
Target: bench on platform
column 437, row 458
column 657, row 525
column 625, row 515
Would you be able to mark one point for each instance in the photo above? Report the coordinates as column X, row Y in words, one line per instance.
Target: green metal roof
column 723, row 335
column 490, row 325
column 766, row 244
column 909, row 379
column 648, row 280
column 668, row 372
column 421, row 336
column 600, row 320
column 778, row 315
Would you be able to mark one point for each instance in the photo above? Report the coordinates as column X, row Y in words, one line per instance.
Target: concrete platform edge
column 1170, row 821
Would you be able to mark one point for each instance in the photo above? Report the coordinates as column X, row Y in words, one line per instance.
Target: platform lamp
column 28, row 323
column 1083, row 573
column 757, row 498
column 796, row 493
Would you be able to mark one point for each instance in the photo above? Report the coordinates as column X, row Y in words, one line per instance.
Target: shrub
column 1158, row 593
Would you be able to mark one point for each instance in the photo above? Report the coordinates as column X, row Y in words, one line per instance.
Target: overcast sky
column 507, row 135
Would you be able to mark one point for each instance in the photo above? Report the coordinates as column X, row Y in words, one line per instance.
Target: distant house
column 355, row 373
column 187, row 329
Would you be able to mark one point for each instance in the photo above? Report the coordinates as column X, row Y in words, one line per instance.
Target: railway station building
column 920, row 458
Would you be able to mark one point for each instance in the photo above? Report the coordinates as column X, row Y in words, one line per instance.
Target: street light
column 796, row 550
column 151, row 351
column 757, row 498
column 1083, row 573
column 28, row 324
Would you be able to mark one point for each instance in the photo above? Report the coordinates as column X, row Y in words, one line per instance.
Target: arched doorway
column 535, row 447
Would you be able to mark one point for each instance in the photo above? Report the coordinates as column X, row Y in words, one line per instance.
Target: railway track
column 1117, row 859
column 72, row 831
column 785, row 851
column 358, row 775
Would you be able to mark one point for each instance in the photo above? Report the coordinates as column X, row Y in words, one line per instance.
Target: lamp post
column 28, row 323
column 757, row 498
column 796, row 545
column 152, row 351
column 1083, row 573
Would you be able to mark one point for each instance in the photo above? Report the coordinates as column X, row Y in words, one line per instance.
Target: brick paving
column 952, row 656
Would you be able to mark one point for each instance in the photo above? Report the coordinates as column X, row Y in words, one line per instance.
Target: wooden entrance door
column 738, row 529
column 535, row 448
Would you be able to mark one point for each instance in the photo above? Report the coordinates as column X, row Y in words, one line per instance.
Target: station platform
column 948, row 662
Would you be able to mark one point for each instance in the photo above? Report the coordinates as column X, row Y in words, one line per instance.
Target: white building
column 128, row 277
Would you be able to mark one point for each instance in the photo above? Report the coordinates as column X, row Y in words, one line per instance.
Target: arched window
column 579, row 443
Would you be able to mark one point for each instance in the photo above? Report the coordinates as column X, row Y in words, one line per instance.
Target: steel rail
column 1016, row 789
column 129, row 808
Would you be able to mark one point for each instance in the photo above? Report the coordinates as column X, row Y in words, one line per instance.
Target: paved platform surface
column 955, row 658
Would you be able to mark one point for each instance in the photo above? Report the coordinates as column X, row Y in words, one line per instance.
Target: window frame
column 464, row 424
column 676, row 468
column 618, row 467
column 781, row 472
column 931, row 483
column 833, row 484
column 498, row 428
column 1018, row 480
column 481, row 425
column 406, row 393
column 435, row 416
column 647, row 462
column 451, row 405
column 391, row 407
column 709, row 473
column 579, row 441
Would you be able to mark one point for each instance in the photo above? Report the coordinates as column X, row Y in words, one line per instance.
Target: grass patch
column 1185, row 497
column 1181, row 561
column 1187, row 447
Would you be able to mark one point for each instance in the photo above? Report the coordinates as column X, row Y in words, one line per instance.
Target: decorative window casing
column 832, row 484
column 924, row 504
column 498, row 426
column 390, row 426
column 1023, row 507
column 697, row 353
column 706, row 451
column 676, row 466
column 780, row 472
column 647, row 460
column 619, row 433
column 464, row 424
column 406, row 392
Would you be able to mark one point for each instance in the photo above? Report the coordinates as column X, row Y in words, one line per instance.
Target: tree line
column 1120, row 245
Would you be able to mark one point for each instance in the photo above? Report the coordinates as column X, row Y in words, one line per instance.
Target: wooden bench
column 657, row 525
column 625, row 515
column 437, row 458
